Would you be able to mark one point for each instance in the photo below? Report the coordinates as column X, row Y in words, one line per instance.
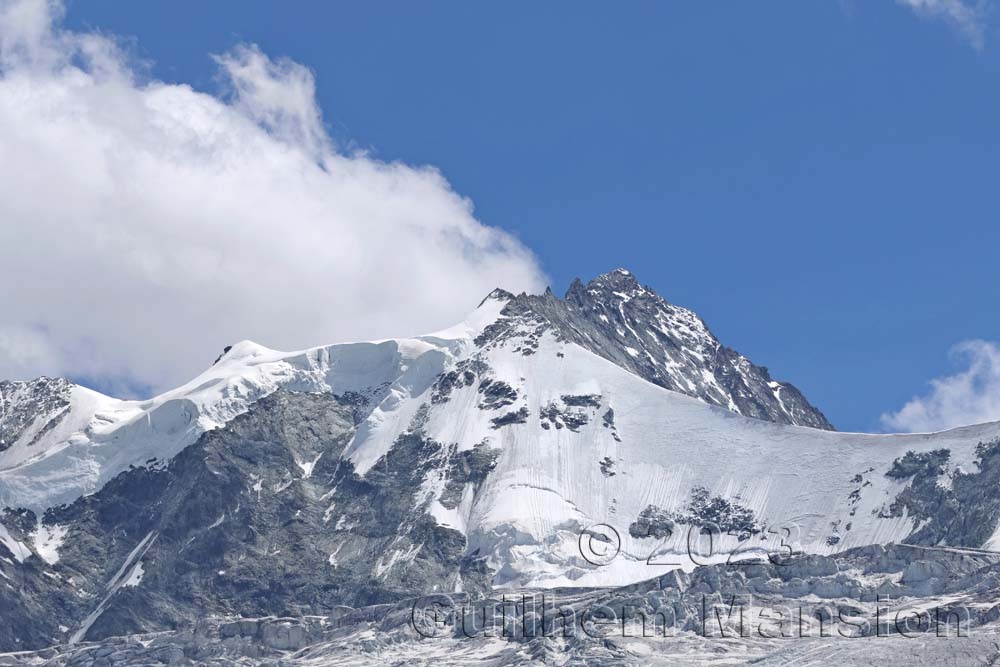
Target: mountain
column 543, row 443
column 63, row 441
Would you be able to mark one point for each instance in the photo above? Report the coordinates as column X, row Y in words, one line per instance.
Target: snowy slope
column 572, row 439
column 549, row 484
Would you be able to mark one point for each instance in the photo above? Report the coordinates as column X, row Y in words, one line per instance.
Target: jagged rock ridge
column 632, row 326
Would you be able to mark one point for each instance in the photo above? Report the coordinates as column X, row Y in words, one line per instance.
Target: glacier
column 820, row 488
column 598, row 442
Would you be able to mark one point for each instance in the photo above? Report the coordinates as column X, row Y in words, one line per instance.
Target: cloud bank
column 144, row 225
column 965, row 16
column 971, row 396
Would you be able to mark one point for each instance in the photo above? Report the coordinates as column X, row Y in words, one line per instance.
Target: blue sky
column 818, row 180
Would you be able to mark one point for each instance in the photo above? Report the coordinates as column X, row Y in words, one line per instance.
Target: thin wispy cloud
column 970, row 396
column 965, row 16
column 144, row 225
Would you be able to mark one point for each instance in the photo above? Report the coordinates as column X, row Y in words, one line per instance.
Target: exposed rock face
column 259, row 518
column 704, row 512
column 29, row 409
column 953, row 507
column 617, row 318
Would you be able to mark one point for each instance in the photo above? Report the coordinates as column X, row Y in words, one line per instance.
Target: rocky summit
column 530, row 486
column 632, row 326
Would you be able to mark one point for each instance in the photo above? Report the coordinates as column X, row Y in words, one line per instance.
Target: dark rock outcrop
column 260, row 518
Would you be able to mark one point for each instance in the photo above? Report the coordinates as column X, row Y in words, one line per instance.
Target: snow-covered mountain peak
column 498, row 294
column 616, row 317
column 246, row 350
column 59, row 441
column 620, row 282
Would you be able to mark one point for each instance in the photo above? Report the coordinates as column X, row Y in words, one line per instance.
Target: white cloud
column 143, row 225
column 971, row 396
column 968, row 17
column 280, row 96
